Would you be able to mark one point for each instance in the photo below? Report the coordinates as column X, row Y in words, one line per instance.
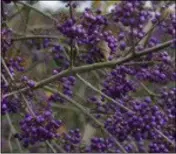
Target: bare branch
column 13, row 130
column 35, row 9
column 98, row 91
column 35, row 37
column 95, row 66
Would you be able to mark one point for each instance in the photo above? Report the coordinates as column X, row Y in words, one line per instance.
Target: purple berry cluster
column 6, row 40
column 71, row 140
column 111, row 40
column 66, row 84
column 88, row 31
column 167, row 102
column 168, row 25
column 46, row 43
column 10, row 105
column 70, row 29
column 93, row 55
column 158, row 147
column 16, row 64
column 59, row 57
column 102, row 145
column 40, row 128
column 134, row 17
column 139, row 125
column 161, row 73
column 117, row 84
column 96, row 34
column 131, row 14
column 28, row 82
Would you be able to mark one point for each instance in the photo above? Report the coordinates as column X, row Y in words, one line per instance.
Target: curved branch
column 98, row 91
column 85, row 68
column 13, row 130
column 151, row 93
column 35, row 9
column 35, row 37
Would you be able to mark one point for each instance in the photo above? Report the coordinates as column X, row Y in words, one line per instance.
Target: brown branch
column 95, row 66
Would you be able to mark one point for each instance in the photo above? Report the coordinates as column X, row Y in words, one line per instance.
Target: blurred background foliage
column 39, row 64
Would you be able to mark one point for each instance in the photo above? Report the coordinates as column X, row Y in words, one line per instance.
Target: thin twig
column 35, row 9
column 21, row 14
column 40, row 27
column 58, row 147
column 6, row 68
column 9, row 142
column 26, row 14
column 15, row 14
column 149, row 31
column 64, row 107
column 165, row 137
column 71, row 40
column 71, row 9
column 132, row 40
column 10, row 123
column 27, row 37
column 146, row 36
column 51, row 147
column 2, row 12
column 142, row 63
column 13, row 131
column 17, row 33
column 28, row 105
column 3, row 77
column 151, row 93
column 71, row 53
column 101, row 93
